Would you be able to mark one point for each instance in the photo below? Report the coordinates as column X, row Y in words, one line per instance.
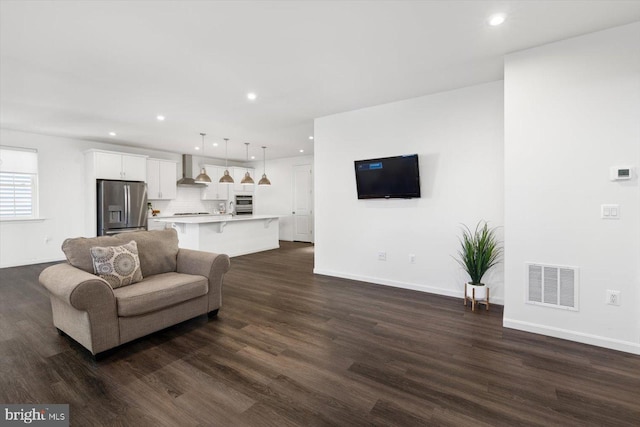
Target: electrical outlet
column 382, row 256
column 412, row 258
column 613, row 297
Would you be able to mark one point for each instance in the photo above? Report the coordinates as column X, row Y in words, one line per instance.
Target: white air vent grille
column 552, row 286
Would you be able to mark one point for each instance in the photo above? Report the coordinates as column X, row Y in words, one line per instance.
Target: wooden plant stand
column 473, row 299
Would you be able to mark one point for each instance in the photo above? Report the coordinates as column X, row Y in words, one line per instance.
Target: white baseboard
column 30, row 262
column 403, row 285
column 613, row 344
column 253, row 251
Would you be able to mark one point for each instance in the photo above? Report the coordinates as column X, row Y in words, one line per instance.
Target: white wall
column 277, row 198
column 458, row 136
column 61, row 186
column 572, row 110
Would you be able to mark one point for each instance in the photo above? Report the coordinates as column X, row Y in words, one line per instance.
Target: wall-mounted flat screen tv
column 388, row 178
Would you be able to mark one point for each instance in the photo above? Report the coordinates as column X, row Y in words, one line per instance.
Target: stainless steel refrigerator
column 122, row 206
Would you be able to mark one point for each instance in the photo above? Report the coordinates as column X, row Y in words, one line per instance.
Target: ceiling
column 82, row 69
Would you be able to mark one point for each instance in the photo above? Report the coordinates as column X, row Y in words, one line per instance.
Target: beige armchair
column 177, row 285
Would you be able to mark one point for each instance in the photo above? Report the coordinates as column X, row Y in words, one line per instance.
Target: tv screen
column 388, row 178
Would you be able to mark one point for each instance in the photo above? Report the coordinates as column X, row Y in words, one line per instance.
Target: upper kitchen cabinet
column 161, row 179
column 238, row 174
column 109, row 165
column 214, row 190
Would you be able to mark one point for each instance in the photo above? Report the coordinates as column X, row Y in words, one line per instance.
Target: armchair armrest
column 76, row 287
column 83, row 306
column 207, row 264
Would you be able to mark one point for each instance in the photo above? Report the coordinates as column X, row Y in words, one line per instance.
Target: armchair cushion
column 118, row 265
column 159, row 291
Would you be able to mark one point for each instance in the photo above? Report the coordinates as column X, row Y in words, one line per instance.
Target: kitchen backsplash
column 187, row 200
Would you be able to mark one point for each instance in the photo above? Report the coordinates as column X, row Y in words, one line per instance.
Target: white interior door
column 302, row 203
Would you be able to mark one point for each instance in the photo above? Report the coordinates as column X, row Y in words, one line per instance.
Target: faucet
column 231, row 208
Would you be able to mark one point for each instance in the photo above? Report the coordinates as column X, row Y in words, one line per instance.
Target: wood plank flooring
column 290, row 348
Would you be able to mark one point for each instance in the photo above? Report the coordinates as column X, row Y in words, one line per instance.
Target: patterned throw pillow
column 118, row 265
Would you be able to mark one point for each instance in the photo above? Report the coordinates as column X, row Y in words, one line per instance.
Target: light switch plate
column 610, row 211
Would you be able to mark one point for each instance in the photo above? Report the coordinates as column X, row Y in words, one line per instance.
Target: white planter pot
column 479, row 293
column 476, row 294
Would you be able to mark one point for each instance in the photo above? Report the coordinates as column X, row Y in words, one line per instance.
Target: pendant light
column 226, row 178
column 264, row 180
column 247, row 180
column 203, row 177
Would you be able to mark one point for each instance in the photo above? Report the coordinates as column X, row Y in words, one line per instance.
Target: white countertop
column 185, row 216
column 204, row 219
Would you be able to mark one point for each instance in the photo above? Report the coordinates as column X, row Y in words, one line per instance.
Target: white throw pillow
column 118, row 265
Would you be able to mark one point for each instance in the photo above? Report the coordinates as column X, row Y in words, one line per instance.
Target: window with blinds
column 18, row 183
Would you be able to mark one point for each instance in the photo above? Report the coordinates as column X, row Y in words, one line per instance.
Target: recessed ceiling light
column 253, row 157
column 497, row 19
column 160, row 118
column 251, row 96
column 302, row 151
column 215, row 144
column 197, row 148
column 112, row 134
column 311, row 137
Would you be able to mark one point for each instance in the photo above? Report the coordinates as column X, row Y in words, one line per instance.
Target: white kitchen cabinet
column 238, row 173
column 214, row 190
column 161, row 179
column 128, row 167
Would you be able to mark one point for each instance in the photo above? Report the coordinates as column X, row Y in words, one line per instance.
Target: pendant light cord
column 226, row 153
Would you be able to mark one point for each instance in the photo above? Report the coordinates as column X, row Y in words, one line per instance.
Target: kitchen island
column 226, row 234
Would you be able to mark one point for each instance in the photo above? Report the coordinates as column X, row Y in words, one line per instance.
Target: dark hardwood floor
column 293, row 349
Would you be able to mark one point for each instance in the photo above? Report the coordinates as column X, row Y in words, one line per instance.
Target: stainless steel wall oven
column 244, row 205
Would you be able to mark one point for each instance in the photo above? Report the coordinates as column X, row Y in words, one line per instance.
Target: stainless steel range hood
column 187, row 171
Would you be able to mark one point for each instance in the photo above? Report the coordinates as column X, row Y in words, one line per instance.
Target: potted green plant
column 479, row 251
